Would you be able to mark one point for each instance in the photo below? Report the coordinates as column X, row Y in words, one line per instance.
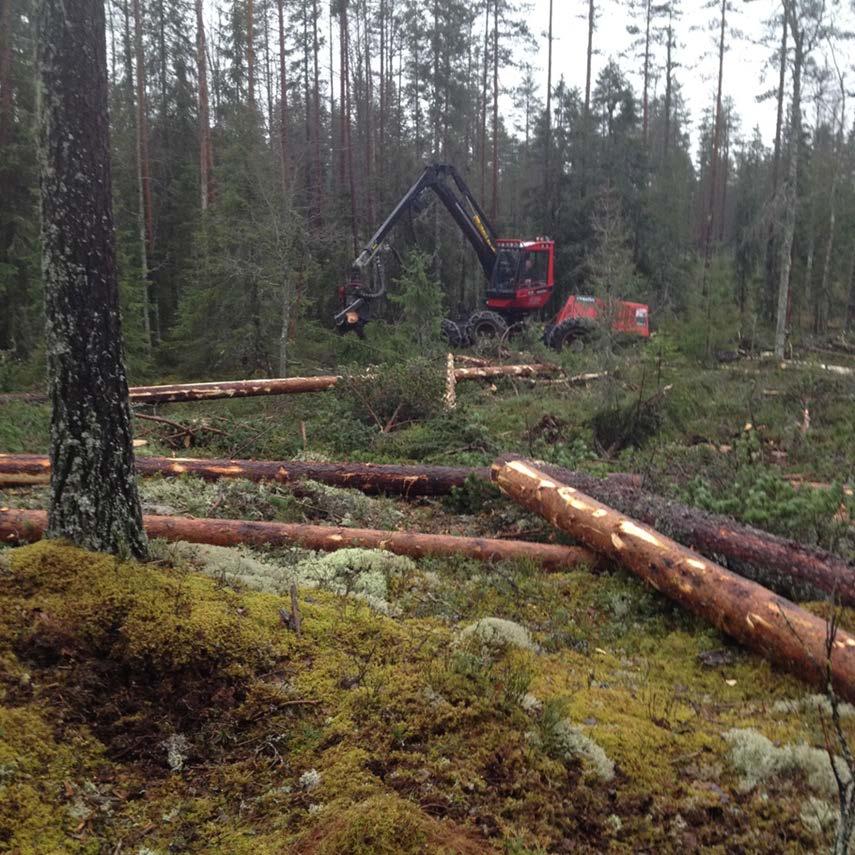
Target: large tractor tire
column 572, row 334
column 453, row 333
column 485, row 324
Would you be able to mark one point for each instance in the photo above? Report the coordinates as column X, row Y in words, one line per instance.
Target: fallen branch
column 372, row 478
column 770, row 625
column 24, row 526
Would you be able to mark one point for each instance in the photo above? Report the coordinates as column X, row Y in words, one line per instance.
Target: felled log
column 372, row 478
column 488, row 372
column 765, row 622
column 841, row 370
column 177, row 392
column 786, row 565
column 26, row 526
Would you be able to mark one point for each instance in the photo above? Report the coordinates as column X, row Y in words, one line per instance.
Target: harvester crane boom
column 462, row 206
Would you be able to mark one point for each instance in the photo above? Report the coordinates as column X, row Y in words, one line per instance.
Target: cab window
column 534, row 268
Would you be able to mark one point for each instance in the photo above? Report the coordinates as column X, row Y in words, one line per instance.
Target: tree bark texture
column 94, row 501
column 20, row 526
column 785, row 565
column 768, row 624
column 372, row 478
column 206, row 156
column 791, row 194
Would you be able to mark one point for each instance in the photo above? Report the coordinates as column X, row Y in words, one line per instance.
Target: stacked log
column 26, row 526
column 768, row 624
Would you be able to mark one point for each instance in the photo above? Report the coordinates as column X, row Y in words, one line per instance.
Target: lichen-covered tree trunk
column 94, row 500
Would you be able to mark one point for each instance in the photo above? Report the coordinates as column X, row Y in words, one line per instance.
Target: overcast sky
column 746, row 71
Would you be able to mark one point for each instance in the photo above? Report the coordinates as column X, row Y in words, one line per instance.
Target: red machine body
column 523, row 276
column 630, row 318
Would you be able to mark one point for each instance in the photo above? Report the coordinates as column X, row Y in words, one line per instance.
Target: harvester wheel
column 453, row 333
column 485, row 324
column 572, row 334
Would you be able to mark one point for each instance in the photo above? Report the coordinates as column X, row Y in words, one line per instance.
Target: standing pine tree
column 94, row 499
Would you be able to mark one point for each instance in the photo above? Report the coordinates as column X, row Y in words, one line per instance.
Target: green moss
column 386, row 825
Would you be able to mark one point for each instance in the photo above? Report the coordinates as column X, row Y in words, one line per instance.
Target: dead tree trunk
column 768, row 624
column 94, row 501
column 19, row 526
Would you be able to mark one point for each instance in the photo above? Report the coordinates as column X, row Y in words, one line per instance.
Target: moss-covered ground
column 169, row 707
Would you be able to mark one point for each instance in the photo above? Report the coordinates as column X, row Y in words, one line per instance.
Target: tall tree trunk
column 669, row 69
column 143, row 175
column 483, row 135
column 825, row 288
column 342, row 107
column 206, row 157
column 547, row 136
column 5, row 70
column 709, row 218
column 369, row 98
column 771, row 265
column 250, row 52
column 589, row 54
column 316, row 121
column 494, row 206
column 283, row 99
column 646, row 85
column 791, row 197
column 348, row 144
column 94, row 500
column 268, row 74
column 849, row 317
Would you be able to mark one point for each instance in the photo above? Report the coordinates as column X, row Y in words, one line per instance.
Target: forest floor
column 439, row 705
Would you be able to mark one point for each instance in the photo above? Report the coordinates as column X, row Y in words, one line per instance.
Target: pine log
column 488, row 372
column 179, row 392
column 25, row 526
column 786, row 565
column 371, row 478
column 761, row 620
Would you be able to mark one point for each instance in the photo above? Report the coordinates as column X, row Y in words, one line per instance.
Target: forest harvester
column 520, row 276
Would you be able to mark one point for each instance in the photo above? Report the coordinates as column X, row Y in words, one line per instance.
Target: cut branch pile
column 768, row 624
column 25, row 526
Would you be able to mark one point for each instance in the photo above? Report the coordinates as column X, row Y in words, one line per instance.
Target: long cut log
column 786, row 565
column 26, row 526
column 765, row 622
column 372, row 478
column 177, row 392
column 487, row 372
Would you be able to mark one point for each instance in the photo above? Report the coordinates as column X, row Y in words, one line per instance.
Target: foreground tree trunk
column 768, row 624
column 19, row 526
column 94, row 501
